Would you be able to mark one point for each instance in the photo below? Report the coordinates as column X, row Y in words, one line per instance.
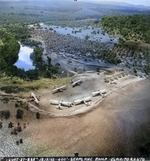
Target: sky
column 135, row 2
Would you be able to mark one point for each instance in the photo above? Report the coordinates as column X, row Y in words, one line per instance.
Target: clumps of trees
column 19, row 114
column 112, row 57
column 132, row 28
column 37, row 115
column 96, row 22
column 146, row 69
column 9, row 49
column 31, row 43
column 21, row 32
column 36, row 56
column 5, row 114
column 146, row 55
column 135, row 27
column 87, row 37
column 41, row 68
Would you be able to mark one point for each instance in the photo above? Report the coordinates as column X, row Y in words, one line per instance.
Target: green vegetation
column 135, row 27
column 109, row 72
column 135, row 33
column 87, row 37
column 112, row 57
column 136, row 58
column 102, row 51
column 132, row 44
column 42, row 69
column 63, row 14
column 19, row 114
column 31, row 12
column 5, row 114
column 17, row 85
column 146, row 69
column 20, row 32
column 1, row 43
column 9, row 50
column 72, row 23
column 146, row 54
column 15, row 16
column 37, row 115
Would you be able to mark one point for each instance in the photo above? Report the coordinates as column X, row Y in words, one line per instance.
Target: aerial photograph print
column 75, row 78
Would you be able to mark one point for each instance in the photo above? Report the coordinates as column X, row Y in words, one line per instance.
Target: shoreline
column 83, row 108
column 102, row 122
column 66, row 49
column 80, row 109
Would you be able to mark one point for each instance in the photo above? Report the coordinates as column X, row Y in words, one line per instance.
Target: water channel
column 66, row 60
column 24, row 60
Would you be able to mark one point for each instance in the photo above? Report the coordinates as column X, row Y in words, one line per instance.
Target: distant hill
column 27, row 11
column 125, row 4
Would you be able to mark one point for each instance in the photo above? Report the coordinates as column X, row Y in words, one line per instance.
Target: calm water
column 97, row 36
column 24, row 60
column 70, row 62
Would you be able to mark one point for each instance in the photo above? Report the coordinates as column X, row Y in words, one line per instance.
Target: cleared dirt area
column 118, row 126
column 91, row 82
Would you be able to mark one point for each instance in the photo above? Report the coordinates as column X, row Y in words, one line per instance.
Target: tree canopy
column 130, row 27
column 9, row 49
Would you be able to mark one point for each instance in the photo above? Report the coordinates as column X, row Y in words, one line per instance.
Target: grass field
column 16, row 84
column 132, row 43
